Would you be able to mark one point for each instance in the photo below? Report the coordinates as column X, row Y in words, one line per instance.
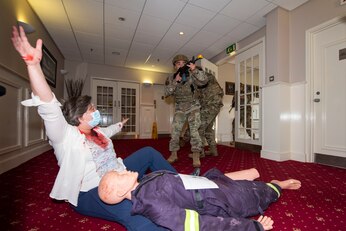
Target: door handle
column 317, row 100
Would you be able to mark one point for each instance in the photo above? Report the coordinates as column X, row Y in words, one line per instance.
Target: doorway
column 326, row 94
column 249, row 75
column 117, row 100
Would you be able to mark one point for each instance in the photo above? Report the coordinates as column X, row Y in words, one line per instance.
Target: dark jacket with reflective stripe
column 162, row 198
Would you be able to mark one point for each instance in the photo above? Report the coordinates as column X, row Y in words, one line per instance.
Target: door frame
column 309, row 89
column 262, row 56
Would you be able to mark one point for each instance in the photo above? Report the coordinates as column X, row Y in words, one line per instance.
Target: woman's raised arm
column 32, row 57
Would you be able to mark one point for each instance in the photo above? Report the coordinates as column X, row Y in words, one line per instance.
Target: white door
column 105, row 99
column 164, row 110
column 249, row 71
column 147, row 119
column 128, row 106
column 115, row 101
column 329, row 90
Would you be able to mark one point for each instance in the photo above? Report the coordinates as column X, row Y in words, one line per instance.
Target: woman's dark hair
column 74, row 108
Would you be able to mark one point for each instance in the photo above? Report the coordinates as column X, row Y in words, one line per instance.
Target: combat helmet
column 179, row 58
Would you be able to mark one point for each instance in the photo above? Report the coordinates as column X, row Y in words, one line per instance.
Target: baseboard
column 22, row 157
column 277, row 156
column 301, row 157
column 335, row 161
column 249, row 147
column 224, row 138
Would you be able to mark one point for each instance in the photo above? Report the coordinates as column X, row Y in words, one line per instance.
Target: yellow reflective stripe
column 191, row 220
column 275, row 189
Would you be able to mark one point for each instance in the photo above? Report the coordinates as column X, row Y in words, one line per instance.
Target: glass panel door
column 104, row 98
column 117, row 100
column 128, row 94
column 248, row 70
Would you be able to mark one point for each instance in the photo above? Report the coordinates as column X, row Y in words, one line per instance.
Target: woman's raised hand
column 124, row 121
column 30, row 55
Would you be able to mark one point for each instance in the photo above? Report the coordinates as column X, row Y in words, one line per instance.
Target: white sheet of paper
column 197, row 182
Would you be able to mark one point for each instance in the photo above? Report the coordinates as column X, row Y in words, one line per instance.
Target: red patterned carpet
column 319, row 205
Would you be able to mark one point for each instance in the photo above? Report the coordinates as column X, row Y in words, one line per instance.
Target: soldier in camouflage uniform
column 210, row 98
column 182, row 88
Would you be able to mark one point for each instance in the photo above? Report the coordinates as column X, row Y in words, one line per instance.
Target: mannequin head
column 115, row 186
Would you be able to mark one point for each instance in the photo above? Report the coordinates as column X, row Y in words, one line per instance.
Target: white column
column 276, row 135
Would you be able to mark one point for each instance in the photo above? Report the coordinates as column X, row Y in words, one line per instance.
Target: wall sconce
column 147, row 84
column 28, row 29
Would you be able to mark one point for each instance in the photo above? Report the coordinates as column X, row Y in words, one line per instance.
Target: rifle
column 185, row 69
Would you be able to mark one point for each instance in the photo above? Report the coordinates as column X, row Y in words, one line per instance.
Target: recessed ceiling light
column 121, row 19
column 115, row 53
column 181, row 33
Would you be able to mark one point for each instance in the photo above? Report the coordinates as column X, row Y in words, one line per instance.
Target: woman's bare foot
column 288, row 184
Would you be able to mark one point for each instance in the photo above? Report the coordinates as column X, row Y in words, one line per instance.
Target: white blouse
column 77, row 168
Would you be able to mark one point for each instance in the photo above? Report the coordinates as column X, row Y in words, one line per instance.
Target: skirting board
column 301, row 157
column 224, row 138
column 277, row 156
column 22, row 157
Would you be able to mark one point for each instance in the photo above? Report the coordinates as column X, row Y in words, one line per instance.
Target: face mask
column 96, row 119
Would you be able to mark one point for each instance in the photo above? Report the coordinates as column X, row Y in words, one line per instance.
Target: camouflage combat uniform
column 210, row 98
column 187, row 108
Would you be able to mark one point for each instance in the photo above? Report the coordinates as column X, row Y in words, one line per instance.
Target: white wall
column 22, row 136
column 297, row 117
column 284, row 104
column 276, row 138
column 307, row 16
column 224, row 129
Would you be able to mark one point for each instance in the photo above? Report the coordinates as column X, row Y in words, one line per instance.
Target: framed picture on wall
column 229, row 88
column 49, row 66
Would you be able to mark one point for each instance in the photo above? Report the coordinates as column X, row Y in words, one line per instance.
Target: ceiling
column 148, row 38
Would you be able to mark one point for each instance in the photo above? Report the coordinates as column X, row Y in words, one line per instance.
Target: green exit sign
column 231, row 48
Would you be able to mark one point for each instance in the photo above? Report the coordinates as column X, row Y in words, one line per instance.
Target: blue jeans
column 140, row 161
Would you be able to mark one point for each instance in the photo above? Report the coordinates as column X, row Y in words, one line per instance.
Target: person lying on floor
column 83, row 149
column 216, row 201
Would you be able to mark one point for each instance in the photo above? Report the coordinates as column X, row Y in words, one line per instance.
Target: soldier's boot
column 196, row 163
column 173, row 157
column 212, row 151
column 202, row 155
